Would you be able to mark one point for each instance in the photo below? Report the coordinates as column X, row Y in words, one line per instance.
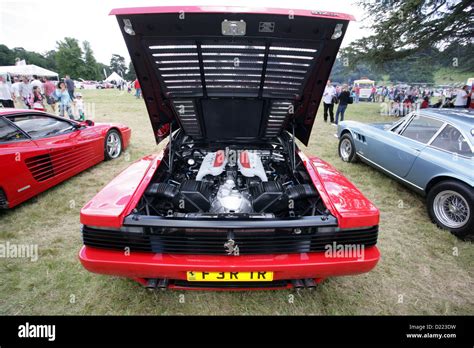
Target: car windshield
column 397, row 126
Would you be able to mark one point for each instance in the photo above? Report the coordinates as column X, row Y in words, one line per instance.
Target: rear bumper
column 169, row 266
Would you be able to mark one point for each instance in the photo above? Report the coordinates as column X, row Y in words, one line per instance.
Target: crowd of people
column 447, row 97
column 38, row 93
column 398, row 100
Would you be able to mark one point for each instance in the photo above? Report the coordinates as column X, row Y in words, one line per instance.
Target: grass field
column 423, row 270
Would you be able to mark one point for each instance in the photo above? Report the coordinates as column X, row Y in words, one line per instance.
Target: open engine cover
column 246, row 84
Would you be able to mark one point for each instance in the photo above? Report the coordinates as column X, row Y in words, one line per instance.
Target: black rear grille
column 194, row 241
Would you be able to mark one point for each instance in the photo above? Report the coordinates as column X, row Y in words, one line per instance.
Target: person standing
column 37, row 99
column 384, row 94
column 80, row 107
column 328, row 101
column 356, row 93
column 344, row 99
column 373, row 91
column 70, row 86
column 5, row 94
column 37, row 83
column 64, row 99
column 25, row 91
column 49, row 88
column 15, row 89
column 461, row 96
column 138, row 89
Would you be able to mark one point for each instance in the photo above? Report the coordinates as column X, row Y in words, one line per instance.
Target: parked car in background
column 87, row 84
column 104, row 85
column 365, row 86
column 39, row 150
column 431, row 151
column 77, row 84
column 231, row 202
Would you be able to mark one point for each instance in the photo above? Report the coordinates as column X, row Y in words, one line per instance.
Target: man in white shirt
column 26, row 91
column 5, row 94
column 37, row 83
column 15, row 89
column 328, row 95
column 461, row 98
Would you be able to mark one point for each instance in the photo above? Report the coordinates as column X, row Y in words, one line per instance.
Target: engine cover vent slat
column 186, row 111
column 279, row 112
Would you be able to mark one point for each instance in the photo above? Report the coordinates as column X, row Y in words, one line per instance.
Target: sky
column 37, row 25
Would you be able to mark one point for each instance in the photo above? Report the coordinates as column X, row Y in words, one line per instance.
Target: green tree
column 130, row 75
column 117, row 64
column 69, row 58
column 402, row 28
column 101, row 68
column 91, row 68
column 50, row 57
column 6, row 56
column 344, row 73
column 412, row 69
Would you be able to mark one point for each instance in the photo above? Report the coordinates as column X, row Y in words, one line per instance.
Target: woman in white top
column 461, row 97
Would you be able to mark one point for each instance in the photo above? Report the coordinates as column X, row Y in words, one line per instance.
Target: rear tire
column 3, row 200
column 346, row 149
column 451, row 207
column 112, row 145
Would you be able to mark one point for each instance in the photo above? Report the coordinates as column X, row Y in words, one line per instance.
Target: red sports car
column 231, row 203
column 39, row 150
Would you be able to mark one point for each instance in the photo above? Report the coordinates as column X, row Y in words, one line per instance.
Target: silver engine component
column 213, row 163
column 230, row 200
column 250, row 165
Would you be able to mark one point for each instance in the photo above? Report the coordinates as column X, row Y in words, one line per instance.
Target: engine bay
column 198, row 180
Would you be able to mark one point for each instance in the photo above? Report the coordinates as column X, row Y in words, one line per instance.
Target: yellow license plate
column 194, row 276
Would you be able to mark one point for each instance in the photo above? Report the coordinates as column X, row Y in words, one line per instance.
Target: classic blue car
column 431, row 151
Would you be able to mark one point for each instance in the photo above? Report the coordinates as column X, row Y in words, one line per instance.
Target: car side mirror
column 89, row 123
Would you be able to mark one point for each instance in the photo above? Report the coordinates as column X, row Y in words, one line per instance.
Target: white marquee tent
column 114, row 77
column 28, row 70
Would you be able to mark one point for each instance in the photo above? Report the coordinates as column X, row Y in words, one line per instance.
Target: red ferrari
column 39, row 150
column 231, row 203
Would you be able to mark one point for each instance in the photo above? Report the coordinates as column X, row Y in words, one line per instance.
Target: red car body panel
column 116, row 200
column 23, row 174
column 284, row 266
column 342, row 198
column 230, row 9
